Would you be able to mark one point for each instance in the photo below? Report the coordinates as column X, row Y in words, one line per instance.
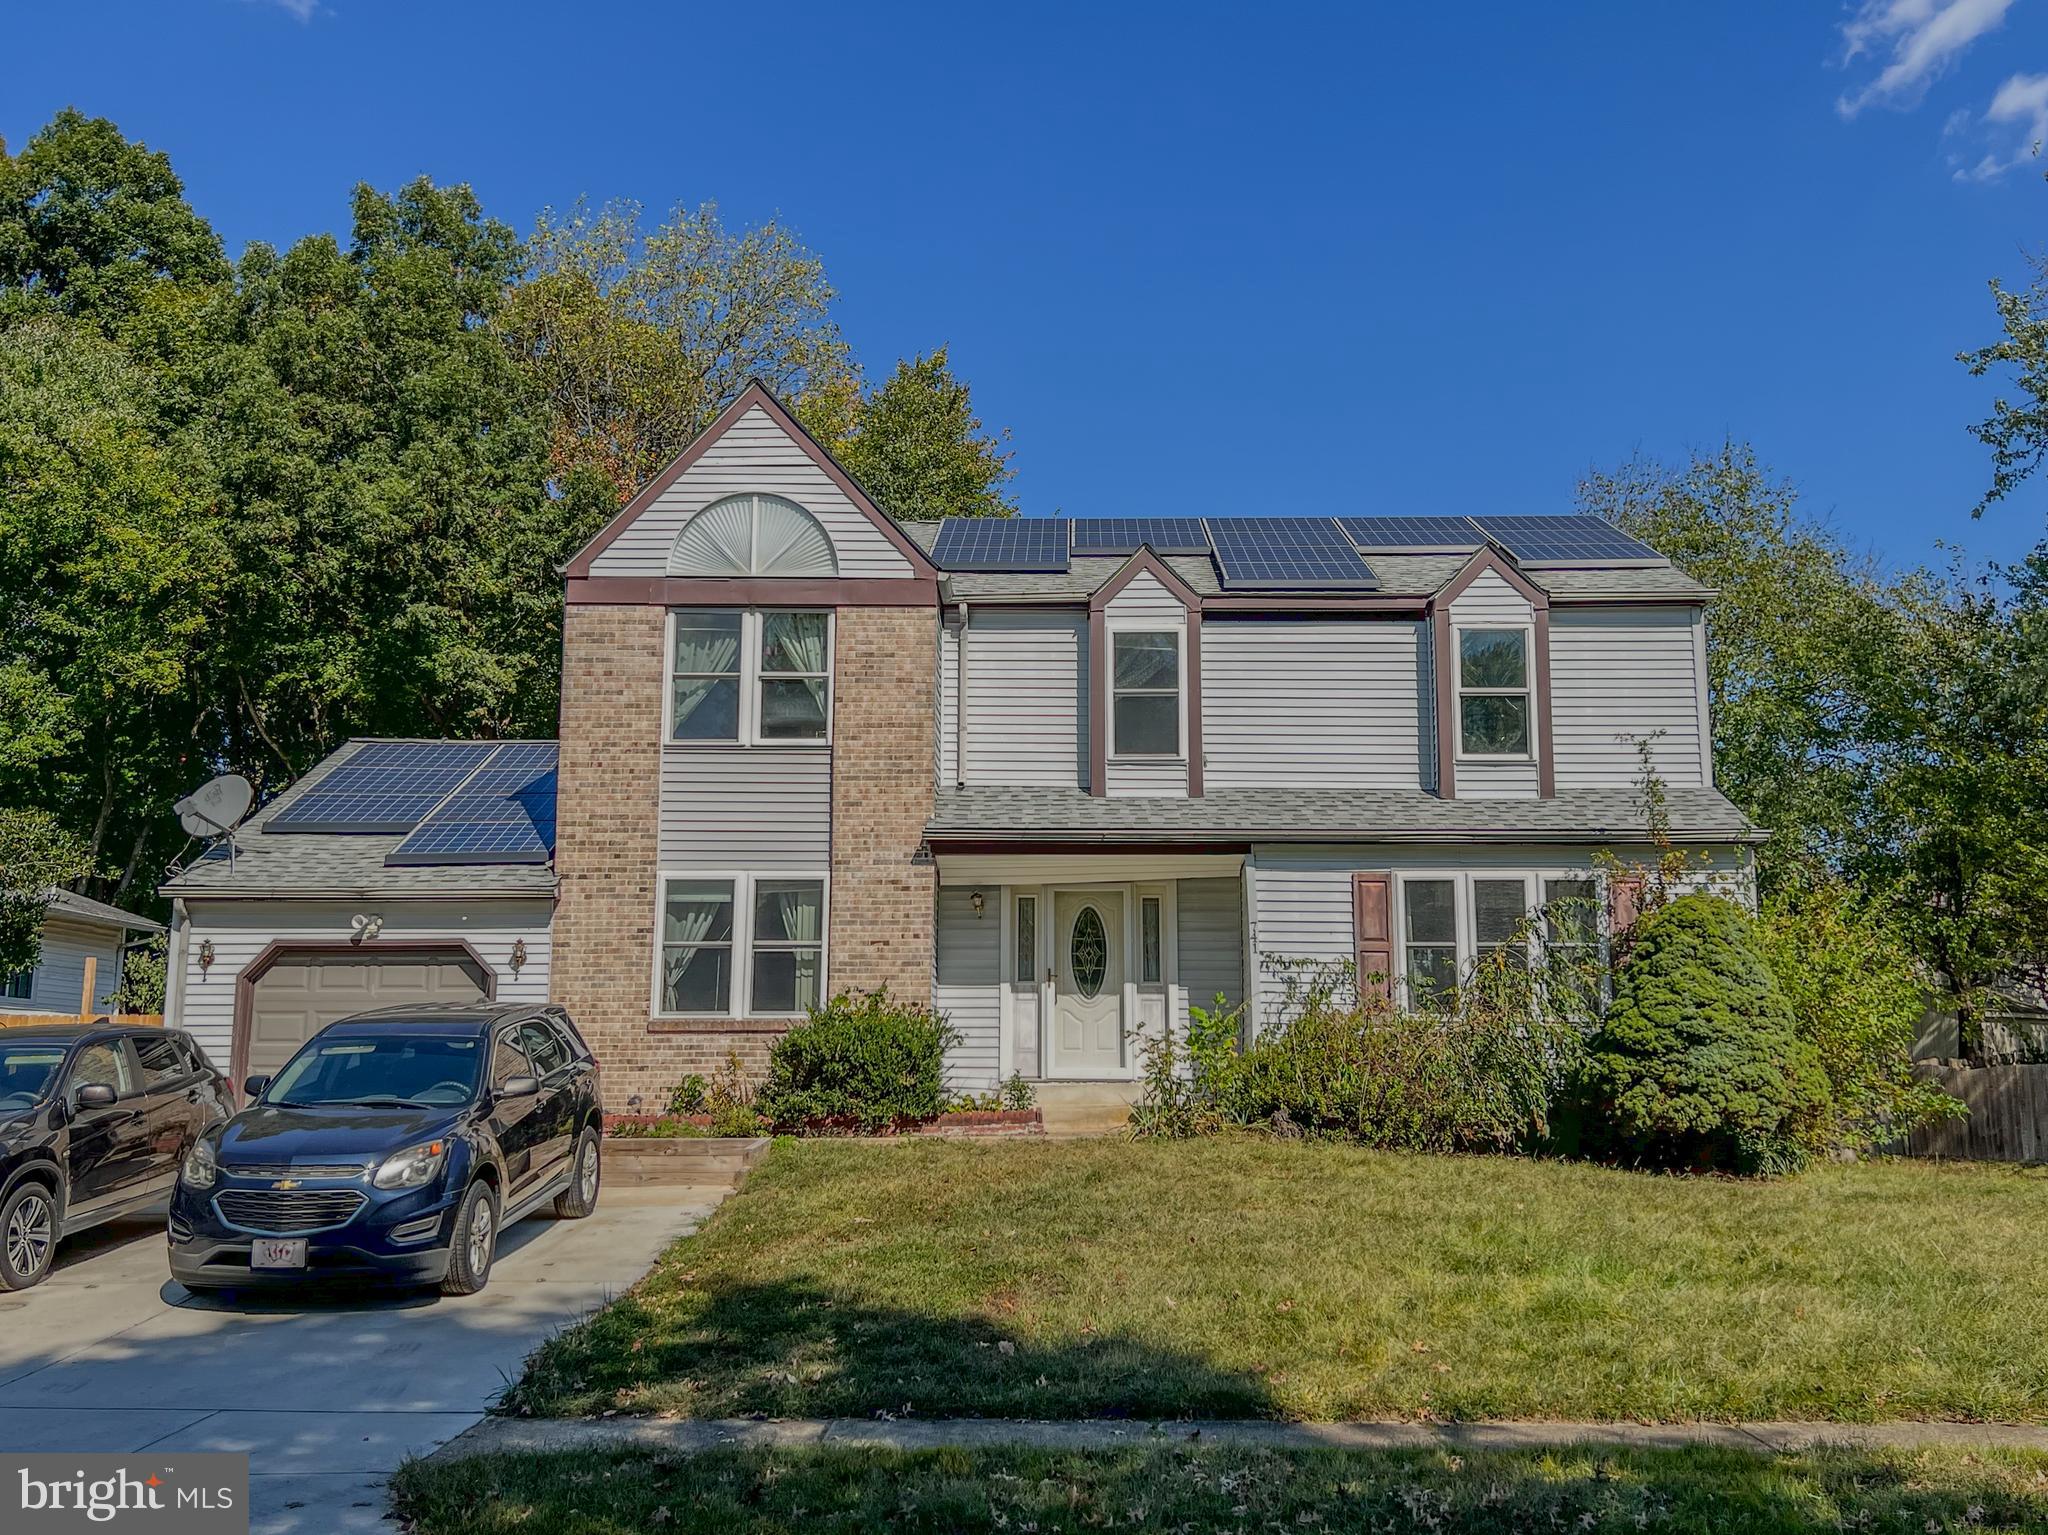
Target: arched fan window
column 752, row 536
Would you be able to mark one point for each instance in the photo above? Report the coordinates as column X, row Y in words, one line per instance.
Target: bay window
column 1493, row 693
column 772, row 964
column 753, row 677
column 1145, row 692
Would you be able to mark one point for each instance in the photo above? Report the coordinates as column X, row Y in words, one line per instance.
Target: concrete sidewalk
column 687, row 1436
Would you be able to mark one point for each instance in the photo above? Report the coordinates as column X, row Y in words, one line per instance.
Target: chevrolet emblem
column 286, row 1183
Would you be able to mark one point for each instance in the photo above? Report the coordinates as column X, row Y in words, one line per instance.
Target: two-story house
column 1060, row 777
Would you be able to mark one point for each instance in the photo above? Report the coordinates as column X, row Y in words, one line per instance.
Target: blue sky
column 1426, row 258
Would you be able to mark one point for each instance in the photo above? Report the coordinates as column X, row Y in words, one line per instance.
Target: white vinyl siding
column 1491, row 603
column 966, row 984
column 1621, row 673
column 58, row 978
column 765, row 808
column 1146, row 605
column 1027, row 697
column 241, row 930
column 1211, row 922
column 756, row 456
column 1312, row 704
column 949, row 702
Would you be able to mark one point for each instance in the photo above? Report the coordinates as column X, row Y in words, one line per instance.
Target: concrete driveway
column 325, row 1395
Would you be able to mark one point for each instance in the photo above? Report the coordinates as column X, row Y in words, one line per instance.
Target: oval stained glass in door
column 1088, row 957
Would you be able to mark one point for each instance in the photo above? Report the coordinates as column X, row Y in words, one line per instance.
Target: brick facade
column 606, row 849
column 884, row 740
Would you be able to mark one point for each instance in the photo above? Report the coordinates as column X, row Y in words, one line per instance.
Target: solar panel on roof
column 1412, row 535
column 384, row 787
column 1123, row 535
column 1573, row 540
column 1001, row 543
column 1283, row 552
column 505, row 813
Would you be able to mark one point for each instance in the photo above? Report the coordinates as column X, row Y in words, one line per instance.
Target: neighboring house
column 76, row 928
column 1062, row 779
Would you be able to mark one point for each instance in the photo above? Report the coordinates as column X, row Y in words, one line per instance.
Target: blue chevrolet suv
column 394, row 1145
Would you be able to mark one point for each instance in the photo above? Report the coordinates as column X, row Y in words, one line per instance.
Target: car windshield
column 398, row 1071
column 27, row 1068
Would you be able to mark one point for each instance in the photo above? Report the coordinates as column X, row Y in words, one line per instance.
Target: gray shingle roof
column 978, row 813
column 84, row 908
column 1401, row 575
column 338, row 865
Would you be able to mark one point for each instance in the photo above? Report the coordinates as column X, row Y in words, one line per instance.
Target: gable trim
column 1445, row 658
column 1144, row 562
column 754, row 395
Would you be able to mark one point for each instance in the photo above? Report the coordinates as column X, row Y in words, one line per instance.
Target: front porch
column 1061, row 968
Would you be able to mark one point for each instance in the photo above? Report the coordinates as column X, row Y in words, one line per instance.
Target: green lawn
column 1587, row 1492
column 1244, row 1278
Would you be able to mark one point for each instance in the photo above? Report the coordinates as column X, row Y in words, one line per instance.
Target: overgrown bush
column 866, row 1061
column 1018, row 1093
column 689, row 1096
column 1699, row 1063
column 1477, row 1075
column 1858, row 997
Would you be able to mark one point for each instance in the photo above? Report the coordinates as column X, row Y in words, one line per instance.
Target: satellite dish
column 214, row 809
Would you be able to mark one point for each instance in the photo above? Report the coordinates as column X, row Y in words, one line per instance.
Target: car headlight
column 202, row 1165
column 410, row 1168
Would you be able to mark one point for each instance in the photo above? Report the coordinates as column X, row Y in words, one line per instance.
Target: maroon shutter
column 1372, row 929
column 1624, row 902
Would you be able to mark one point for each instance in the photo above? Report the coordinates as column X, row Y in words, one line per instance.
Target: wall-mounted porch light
column 518, row 955
column 977, row 901
column 205, row 955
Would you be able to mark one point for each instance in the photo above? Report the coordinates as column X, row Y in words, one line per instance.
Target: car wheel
column 28, row 1236
column 475, row 1242
column 580, row 1197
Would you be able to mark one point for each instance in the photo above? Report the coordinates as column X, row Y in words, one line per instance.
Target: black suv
column 94, row 1120
column 394, row 1145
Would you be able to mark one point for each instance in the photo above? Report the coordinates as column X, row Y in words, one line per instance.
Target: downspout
column 174, row 966
column 960, row 706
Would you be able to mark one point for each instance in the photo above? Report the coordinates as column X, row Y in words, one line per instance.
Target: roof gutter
column 1070, row 837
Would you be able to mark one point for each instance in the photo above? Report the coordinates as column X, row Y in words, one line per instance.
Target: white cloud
column 1925, row 37
column 2023, row 102
column 301, row 11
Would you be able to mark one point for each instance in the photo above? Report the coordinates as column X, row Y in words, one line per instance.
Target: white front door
column 1088, row 1024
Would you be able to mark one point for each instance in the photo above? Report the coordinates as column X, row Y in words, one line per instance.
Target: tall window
column 706, row 682
column 793, row 676
column 696, row 946
column 18, row 985
column 1571, row 945
column 1150, row 939
column 1145, row 677
column 1430, row 907
column 750, row 676
column 789, row 944
column 1493, row 692
column 1025, row 970
column 770, row 964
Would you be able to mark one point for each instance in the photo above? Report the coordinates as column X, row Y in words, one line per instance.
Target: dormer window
column 1145, row 692
column 1493, row 693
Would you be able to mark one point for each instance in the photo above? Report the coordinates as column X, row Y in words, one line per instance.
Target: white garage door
column 303, row 992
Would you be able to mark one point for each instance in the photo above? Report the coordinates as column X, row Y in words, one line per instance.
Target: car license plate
column 278, row 1254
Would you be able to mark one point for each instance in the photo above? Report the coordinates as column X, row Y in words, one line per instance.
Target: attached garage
column 291, row 991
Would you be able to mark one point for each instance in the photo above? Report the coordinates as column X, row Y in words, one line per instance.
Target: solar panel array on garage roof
column 1280, row 553
column 1576, row 540
column 505, row 813
column 1123, row 535
column 1001, row 543
column 1412, row 535
column 384, row 787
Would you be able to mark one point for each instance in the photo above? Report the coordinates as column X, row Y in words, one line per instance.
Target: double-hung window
column 1429, row 909
column 752, row 677
column 1571, row 946
column 1500, row 914
column 1493, row 693
column 769, row 964
column 1145, row 692
column 18, row 985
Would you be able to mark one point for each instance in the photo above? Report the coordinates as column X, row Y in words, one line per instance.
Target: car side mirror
column 94, row 1095
column 252, row 1087
column 519, row 1087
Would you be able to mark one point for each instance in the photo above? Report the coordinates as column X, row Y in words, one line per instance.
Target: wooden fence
column 2008, row 1119
column 32, row 1020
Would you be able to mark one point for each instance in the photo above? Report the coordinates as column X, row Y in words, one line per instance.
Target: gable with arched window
column 753, row 535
